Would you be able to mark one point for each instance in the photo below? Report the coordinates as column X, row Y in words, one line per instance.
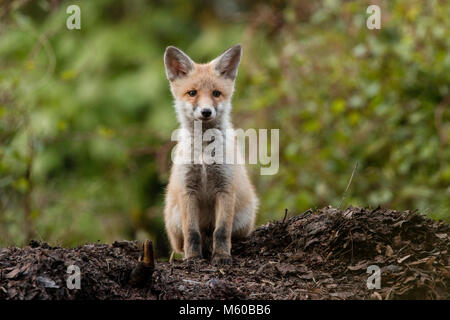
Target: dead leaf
column 269, row 282
column 307, row 276
column 430, row 261
column 378, row 248
column 46, row 282
column 389, row 251
column 361, row 265
column 398, row 224
column 397, row 241
column 377, row 296
column 12, row 274
column 298, row 256
column 409, row 279
column 286, row 268
column 445, row 271
column 310, row 242
column 342, row 295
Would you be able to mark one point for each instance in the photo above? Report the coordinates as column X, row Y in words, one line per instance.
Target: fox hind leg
column 174, row 229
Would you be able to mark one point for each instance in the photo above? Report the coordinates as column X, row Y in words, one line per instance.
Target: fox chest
column 206, row 180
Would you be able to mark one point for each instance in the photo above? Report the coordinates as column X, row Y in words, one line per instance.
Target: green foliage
column 86, row 115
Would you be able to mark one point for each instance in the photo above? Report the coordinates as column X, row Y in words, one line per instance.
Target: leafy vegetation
column 86, row 115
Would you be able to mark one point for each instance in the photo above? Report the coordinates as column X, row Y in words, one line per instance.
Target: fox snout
column 205, row 113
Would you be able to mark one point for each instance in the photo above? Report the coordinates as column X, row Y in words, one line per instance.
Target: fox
column 207, row 205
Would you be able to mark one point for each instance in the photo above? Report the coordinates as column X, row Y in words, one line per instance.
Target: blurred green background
column 86, row 115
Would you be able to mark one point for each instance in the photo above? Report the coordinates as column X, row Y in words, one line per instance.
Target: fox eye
column 216, row 93
column 192, row 93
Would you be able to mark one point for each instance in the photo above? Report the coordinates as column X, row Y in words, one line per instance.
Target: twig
column 193, row 282
column 351, row 239
column 285, row 214
column 29, row 191
column 43, row 42
column 348, row 185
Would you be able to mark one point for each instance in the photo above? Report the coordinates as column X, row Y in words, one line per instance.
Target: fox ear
column 228, row 62
column 177, row 63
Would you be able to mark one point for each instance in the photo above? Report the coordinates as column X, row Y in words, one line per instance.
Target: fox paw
column 221, row 259
column 194, row 259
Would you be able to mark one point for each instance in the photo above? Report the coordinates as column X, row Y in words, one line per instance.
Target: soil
column 315, row 255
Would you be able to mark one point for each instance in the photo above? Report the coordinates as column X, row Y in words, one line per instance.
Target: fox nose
column 206, row 113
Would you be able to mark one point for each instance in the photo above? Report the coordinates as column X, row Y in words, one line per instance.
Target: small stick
column 285, row 214
column 349, row 183
column 143, row 272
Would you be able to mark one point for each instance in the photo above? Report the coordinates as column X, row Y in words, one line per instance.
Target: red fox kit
column 207, row 204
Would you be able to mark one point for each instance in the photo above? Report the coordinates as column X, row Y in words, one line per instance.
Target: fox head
column 202, row 92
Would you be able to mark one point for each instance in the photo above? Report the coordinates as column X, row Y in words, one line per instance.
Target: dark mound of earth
column 317, row 255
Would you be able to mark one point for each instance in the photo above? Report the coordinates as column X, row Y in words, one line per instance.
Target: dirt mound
column 316, row 255
column 40, row 271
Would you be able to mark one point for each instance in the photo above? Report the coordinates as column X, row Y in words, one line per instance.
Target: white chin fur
column 186, row 113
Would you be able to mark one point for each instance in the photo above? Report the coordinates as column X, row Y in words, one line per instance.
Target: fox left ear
column 177, row 63
column 228, row 62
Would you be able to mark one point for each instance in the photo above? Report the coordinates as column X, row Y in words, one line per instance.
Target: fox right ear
column 228, row 62
column 177, row 63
